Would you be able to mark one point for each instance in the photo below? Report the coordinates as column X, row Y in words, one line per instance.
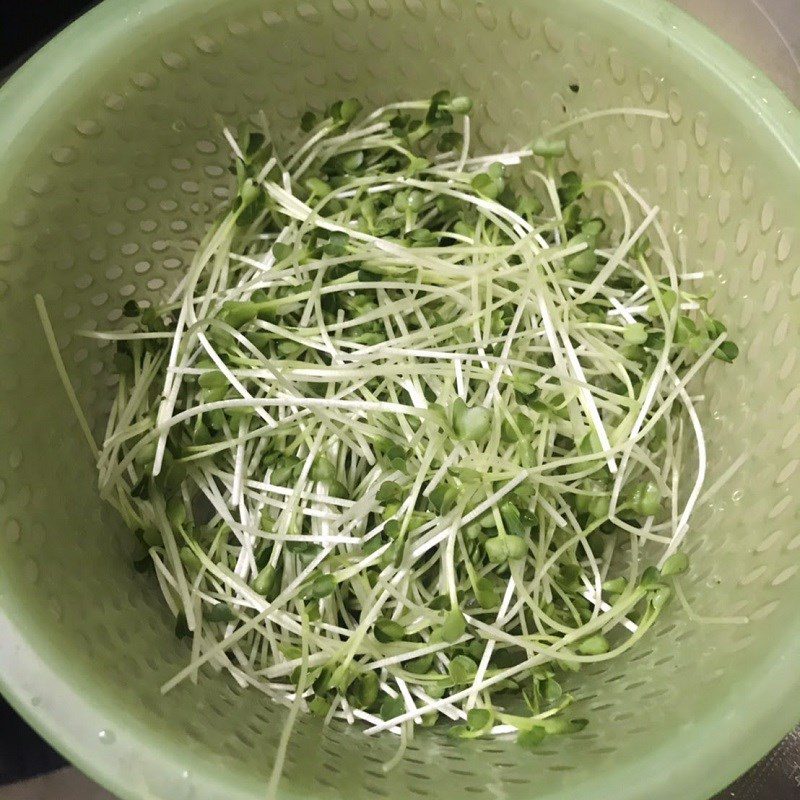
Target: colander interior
column 112, row 164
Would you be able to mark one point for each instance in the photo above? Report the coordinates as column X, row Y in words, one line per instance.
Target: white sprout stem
column 64, row 376
column 606, row 112
column 489, row 649
column 683, row 523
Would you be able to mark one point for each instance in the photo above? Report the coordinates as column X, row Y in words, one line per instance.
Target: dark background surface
column 25, row 24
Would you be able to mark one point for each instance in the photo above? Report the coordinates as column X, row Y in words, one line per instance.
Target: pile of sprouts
column 412, row 437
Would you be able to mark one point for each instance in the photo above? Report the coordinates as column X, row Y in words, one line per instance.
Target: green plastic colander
column 110, row 159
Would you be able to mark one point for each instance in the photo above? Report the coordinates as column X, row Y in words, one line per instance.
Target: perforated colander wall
column 104, row 194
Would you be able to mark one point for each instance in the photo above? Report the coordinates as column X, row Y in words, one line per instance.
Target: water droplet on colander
column 178, row 126
column 88, row 127
column 206, row 44
column 144, row 80
column 8, row 253
column 15, row 458
column 64, row 155
column 31, row 571
column 677, row 229
column 106, row 737
column 737, row 495
column 13, row 530
column 114, row 102
column 40, row 184
column 185, row 774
